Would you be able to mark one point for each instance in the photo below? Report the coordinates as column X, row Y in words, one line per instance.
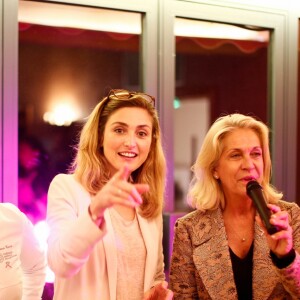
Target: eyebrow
column 126, row 125
column 239, row 149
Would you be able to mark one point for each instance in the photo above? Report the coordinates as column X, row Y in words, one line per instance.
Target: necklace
column 241, row 238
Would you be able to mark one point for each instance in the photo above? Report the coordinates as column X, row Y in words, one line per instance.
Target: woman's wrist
column 97, row 219
column 284, row 261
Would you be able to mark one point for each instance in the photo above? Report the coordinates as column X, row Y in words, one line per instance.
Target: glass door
column 69, row 58
column 220, row 69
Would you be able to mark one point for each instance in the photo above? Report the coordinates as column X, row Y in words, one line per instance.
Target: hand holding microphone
column 281, row 245
column 255, row 192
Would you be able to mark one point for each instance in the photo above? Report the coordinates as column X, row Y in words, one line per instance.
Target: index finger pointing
column 123, row 173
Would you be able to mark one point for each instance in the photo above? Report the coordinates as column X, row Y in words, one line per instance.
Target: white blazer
column 83, row 256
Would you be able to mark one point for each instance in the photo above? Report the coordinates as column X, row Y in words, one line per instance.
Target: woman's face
column 240, row 162
column 127, row 138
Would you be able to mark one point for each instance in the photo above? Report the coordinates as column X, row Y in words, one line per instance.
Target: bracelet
column 285, row 261
column 94, row 217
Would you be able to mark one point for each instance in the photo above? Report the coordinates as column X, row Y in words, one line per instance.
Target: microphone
column 255, row 192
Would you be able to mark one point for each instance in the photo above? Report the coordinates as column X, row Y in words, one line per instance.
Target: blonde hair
column 91, row 167
column 205, row 192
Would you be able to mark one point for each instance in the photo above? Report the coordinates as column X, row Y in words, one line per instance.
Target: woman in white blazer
column 105, row 217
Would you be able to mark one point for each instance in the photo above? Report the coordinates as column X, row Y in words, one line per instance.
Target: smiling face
column 240, row 162
column 127, row 138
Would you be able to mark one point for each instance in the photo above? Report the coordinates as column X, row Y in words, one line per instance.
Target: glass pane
column 69, row 57
column 220, row 69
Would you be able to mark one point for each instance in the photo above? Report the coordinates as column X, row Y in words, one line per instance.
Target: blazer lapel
column 264, row 277
column 211, row 256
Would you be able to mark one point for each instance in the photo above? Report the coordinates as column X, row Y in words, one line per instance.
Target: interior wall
column 218, row 81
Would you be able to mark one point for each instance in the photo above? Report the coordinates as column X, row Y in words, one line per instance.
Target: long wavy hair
column 91, row 167
column 205, row 192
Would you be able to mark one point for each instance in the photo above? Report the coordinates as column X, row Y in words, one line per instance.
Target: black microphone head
column 255, row 192
column 252, row 185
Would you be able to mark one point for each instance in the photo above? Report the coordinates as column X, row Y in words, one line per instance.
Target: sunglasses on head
column 127, row 95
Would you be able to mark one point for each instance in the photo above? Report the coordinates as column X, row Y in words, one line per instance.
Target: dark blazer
column 201, row 266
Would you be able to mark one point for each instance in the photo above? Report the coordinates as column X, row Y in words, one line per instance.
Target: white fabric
column 22, row 261
column 80, row 253
column 131, row 257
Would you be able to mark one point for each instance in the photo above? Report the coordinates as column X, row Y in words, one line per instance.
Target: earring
column 216, row 176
